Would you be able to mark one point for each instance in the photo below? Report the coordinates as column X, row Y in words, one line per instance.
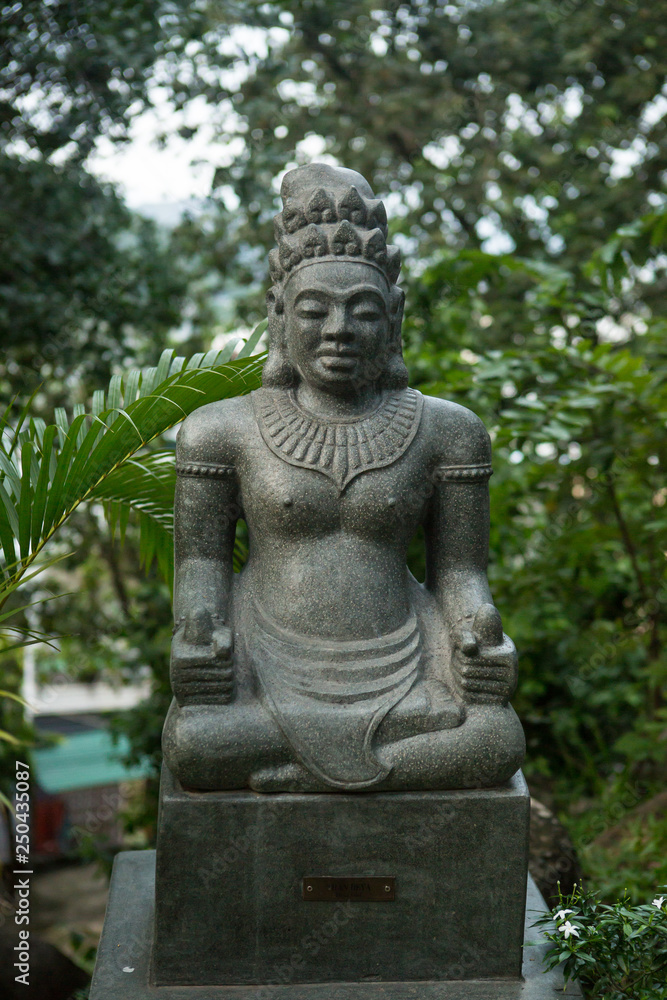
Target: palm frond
column 8, row 738
column 47, row 471
column 253, row 340
column 144, row 486
column 14, row 697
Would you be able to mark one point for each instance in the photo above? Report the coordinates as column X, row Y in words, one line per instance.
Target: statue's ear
column 396, row 304
column 278, row 371
column 276, row 315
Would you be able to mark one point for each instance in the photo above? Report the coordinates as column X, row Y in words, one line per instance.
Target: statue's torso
column 331, row 562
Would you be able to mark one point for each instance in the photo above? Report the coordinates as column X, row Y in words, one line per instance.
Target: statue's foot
column 426, row 708
column 286, row 778
column 487, row 749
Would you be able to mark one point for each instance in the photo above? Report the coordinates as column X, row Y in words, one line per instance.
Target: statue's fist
column 484, row 659
column 202, row 668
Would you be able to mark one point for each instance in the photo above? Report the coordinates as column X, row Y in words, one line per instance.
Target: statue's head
column 335, row 310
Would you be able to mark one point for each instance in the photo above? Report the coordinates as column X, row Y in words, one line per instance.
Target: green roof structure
column 85, row 760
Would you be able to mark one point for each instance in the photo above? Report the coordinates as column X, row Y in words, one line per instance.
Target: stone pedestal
column 377, row 896
column 122, row 969
column 231, row 908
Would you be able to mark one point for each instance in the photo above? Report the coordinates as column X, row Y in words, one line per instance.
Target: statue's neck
column 331, row 406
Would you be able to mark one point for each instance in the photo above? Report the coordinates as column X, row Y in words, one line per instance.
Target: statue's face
column 337, row 324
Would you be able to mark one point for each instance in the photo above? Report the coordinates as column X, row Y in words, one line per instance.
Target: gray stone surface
column 122, row 970
column 230, row 867
column 324, row 665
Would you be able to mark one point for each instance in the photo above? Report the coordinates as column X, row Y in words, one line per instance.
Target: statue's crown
column 330, row 213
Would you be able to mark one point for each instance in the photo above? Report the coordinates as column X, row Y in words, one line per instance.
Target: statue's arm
column 484, row 659
column 206, row 509
column 457, row 526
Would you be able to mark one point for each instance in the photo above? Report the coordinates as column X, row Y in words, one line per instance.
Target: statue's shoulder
column 216, row 432
column 456, row 434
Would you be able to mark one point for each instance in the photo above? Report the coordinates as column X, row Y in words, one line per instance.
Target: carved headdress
column 329, row 213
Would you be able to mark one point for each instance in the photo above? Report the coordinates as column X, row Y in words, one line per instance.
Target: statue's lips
column 343, row 362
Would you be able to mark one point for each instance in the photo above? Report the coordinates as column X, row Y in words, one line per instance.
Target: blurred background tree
column 533, row 127
column 85, row 285
column 520, row 147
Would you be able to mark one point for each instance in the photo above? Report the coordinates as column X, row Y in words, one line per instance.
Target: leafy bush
column 616, row 952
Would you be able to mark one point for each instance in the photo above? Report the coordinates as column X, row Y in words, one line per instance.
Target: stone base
column 230, row 886
column 122, row 969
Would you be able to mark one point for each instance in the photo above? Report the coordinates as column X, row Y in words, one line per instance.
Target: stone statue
column 324, row 665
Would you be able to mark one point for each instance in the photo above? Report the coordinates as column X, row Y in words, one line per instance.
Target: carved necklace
column 340, row 449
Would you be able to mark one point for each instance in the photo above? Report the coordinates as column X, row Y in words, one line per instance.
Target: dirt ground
column 68, row 904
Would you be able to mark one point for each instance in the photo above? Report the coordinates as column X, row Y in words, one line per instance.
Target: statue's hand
column 484, row 659
column 202, row 668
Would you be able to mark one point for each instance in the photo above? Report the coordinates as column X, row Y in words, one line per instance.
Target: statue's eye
column 366, row 311
column 311, row 309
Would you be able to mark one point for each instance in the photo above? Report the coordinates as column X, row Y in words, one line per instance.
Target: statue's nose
column 336, row 326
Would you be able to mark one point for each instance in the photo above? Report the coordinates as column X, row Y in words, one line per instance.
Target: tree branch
column 627, row 539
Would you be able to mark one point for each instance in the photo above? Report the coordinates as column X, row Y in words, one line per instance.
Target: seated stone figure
column 324, row 665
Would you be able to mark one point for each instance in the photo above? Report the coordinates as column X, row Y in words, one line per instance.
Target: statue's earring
column 278, row 372
column 395, row 373
column 396, row 304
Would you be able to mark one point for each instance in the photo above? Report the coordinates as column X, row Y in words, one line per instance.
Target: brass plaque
column 361, row 888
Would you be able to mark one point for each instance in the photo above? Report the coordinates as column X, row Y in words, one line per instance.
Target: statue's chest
column 305, row 477
column 283, row 499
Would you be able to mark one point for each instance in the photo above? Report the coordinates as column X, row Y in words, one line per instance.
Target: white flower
column 567, row 929
column 561, row 915
column 658, row 901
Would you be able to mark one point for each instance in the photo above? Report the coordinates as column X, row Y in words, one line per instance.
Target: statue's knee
column 203, row 745
column 184, row 743
column 498, row 743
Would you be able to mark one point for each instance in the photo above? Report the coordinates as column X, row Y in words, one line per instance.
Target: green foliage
column 522, row 143
column 73, row 71
column 47, row 471
column 579, row 516
column 492, row 124
column 616, row 952
column 143, row 724
column 632, row 865
column 83, row 952
column 83, row 282
column 4, row 735
column 14, row 730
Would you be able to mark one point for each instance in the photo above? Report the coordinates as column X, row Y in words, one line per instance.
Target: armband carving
column 463, row 473
column 208, row 470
